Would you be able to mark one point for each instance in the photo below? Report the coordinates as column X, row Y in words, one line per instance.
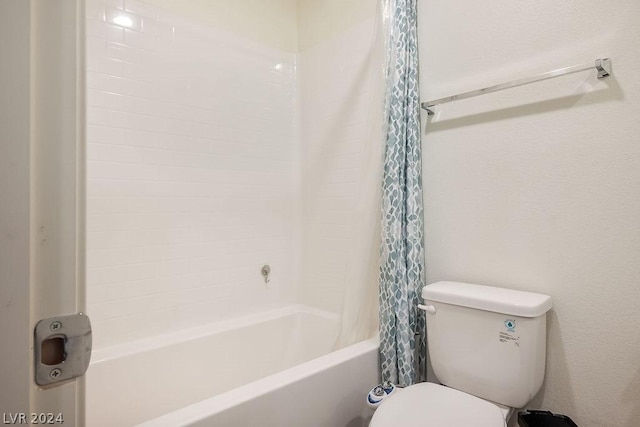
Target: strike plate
column 62, row 348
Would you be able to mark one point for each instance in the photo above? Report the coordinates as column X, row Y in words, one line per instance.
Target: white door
column 41, row 197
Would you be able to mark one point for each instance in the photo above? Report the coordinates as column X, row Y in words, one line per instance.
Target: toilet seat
column 433, row 405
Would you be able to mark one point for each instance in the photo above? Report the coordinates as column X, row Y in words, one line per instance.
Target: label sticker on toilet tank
column 506, row 337
column 509, row 336
column 510, row 324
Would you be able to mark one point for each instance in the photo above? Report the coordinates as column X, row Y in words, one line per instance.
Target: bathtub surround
column 341, row 88
column 212, row 153
column 537, row 187
column 271, row 23
column 402, row 328
column 190, row 173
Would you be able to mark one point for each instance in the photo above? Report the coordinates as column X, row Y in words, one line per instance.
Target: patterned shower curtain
column 402, row 325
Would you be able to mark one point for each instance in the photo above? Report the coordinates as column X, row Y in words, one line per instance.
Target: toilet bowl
column 487, row 347
column 428, row 404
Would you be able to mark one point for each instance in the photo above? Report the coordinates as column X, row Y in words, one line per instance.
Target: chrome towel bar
column 602, row 65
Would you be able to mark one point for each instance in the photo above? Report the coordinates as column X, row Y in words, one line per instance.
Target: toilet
column 487, row 348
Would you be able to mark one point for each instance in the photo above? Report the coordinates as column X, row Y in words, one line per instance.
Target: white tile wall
column 190, row 173
column 336, row 85
column 210, row 155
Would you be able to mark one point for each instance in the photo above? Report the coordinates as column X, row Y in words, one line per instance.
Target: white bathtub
column 275, row 369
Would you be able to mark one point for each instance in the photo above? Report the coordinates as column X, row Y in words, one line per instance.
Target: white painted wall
column 537, row 187
column 190, row 172
column 15, row 232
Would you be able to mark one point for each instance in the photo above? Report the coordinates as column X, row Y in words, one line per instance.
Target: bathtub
column 275, row 368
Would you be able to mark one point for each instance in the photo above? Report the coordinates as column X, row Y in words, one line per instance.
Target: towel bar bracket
column 604, row 67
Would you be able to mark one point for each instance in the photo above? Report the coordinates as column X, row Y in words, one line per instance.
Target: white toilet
column 487, row 347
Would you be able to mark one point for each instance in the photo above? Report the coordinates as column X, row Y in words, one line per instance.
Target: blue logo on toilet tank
column 510, row 324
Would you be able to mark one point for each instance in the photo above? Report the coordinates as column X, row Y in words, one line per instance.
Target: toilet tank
column 486, row 341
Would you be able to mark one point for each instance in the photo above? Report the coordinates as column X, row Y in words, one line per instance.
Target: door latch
column 62, row 348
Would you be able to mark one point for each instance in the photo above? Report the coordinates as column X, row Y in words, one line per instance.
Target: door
column 41, row 197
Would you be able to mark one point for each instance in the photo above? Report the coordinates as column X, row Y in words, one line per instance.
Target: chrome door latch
column 62, row 348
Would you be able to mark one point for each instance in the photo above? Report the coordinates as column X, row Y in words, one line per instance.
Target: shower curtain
column 402, row 325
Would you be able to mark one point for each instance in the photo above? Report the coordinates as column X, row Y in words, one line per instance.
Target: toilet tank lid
column 488, row 298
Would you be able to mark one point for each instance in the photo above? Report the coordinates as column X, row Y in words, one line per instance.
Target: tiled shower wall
column 341, row 108
column 191, row 174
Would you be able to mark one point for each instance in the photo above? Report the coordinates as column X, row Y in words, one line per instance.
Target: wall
column 537, row 187
column 190, row 171
column 270, row 22
column 340, row 108
column 321, row 21
column 15, row 181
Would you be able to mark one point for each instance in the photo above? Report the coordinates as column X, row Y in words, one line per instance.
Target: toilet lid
column 433, row 405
